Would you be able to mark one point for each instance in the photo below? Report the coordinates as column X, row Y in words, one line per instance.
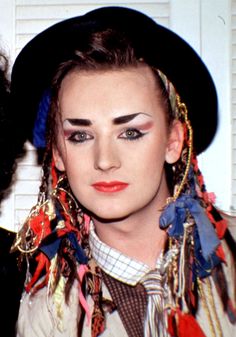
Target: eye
column 79, row 137
column 131, row 134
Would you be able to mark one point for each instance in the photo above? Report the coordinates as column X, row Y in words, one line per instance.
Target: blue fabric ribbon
column 174, row 216
column 79, row 252
column 202, row 267
column 39, row 131
column 51, row 247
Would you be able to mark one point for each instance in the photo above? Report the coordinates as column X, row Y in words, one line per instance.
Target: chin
column 109, row 217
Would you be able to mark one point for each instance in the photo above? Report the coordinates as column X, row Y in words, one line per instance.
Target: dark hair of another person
column 7, row 162
column 10, row 149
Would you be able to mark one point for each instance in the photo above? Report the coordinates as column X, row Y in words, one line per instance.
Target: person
column 11, row 279
column 124, row 239
column 8, row 158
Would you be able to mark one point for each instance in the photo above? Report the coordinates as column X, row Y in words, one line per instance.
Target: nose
column 106, row 156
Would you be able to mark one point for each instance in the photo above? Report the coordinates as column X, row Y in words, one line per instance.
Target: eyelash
column 72, row 137
column 129, row 134
column 137, row 134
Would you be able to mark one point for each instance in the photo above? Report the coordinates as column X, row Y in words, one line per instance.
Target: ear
column 175, row 142
column 59, row 163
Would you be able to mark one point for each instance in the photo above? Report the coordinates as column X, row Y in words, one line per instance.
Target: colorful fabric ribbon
column 175, row 215
column 39, row 131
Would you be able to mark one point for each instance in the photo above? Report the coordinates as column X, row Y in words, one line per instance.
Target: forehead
column 117, row 91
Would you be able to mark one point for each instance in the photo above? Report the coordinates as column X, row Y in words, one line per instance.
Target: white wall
column 206, row 25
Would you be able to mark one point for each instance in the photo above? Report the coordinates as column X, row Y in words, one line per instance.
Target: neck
column 138, row 237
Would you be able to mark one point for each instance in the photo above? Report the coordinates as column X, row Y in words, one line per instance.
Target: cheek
column 76, row 175
column 155, row 151
column 77, row 166
column 148, row 164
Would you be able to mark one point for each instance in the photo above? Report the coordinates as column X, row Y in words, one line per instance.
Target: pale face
column 114, row 141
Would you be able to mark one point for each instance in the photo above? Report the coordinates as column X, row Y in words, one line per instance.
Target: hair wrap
column 39, row 131
column 171, row 92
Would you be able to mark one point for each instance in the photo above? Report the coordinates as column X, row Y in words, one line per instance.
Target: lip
column 110, row 187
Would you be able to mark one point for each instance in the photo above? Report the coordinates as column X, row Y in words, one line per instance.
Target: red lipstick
column 110, row 187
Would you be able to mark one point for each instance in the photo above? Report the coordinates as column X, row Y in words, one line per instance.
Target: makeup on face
column 113, row 127
column 70, row 125
column 110, row 187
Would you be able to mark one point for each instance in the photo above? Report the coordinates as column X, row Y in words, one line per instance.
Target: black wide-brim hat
column 161, row 48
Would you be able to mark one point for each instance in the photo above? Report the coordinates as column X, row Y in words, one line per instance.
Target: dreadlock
column 13, row 150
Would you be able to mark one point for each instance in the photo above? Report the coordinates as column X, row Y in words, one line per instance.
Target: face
column 113, row 141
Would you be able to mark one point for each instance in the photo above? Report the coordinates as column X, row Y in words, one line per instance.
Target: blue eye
column 79, row 137
column 131, row 134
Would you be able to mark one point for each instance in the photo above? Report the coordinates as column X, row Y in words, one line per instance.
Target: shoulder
column 41, row 314
column 211, row 314
column 8, row 261
column 11, row 283
column 6, row 239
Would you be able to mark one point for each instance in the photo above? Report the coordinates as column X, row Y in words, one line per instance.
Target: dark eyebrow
column 79, row 121
column 125, row 119
column 116, row 121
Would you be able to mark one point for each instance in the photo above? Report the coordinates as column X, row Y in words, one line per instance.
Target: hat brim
column 160, row 47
